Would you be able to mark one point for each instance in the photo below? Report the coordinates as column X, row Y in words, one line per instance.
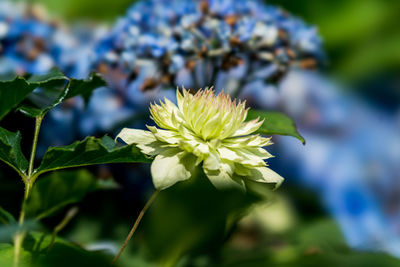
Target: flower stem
column 28, row 181
column 135, row 225
column 35, row 140
column 68, row 217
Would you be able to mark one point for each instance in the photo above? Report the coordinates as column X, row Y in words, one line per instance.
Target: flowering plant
column 208, row 129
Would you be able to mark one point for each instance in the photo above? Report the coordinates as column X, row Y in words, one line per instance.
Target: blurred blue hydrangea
column 161, row 44
column 351, row 158
column 228, row 44
column 32, row 43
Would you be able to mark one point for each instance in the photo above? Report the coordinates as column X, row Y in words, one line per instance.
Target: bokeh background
column 340, row 202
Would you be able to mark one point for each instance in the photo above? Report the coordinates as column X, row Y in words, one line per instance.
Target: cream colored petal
column 144, row 140
column 170, row 167
column 265, row 175
column 134, row 136
column 152, row 149
column 170, row 137
column 248, row 141
column 213, row 161
column 248, row 127
column 242, row 170
column 224, row 179
column 242, row 156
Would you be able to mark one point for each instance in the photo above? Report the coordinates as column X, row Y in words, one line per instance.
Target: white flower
column 204, row 130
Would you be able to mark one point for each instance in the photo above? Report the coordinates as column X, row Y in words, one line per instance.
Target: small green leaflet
column 10, row 150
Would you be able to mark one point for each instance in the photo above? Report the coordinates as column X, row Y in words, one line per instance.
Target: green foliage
column 317, row 244
column 84, row 88
column 91, row 151
column 6, row 217
column 10, row 150
column 12, row 93
column 58, row 189
column 39, row 93
column 36, row 253
column 47, row 96
column 192, row 217
column 361, row 37
column 275, row 123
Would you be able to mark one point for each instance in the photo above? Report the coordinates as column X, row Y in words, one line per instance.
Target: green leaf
column 62, row 253
column 58, row 189
column 13, row 92
column 91, row 151
column 7, row 256
column 6, row 217
column 195, row 223
column 85, row 87
column 36, row 252
column 8, row 231
column 275, row 123
column 10, row 150
column 50, row 94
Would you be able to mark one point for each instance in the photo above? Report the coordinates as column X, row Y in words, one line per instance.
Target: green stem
column 19, row 238
column 135, row 225
column 68, row 217
column 35, row 140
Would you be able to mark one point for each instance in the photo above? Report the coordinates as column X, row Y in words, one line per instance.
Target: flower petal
column 144, row 140
column 254, row 140
column 170, row 167
column 134, row 136
column 265, row 175
column 248, row 127
column 170, row 137
column 213, row 161
column 242, row 170
column 224, row 179
column 246, row 157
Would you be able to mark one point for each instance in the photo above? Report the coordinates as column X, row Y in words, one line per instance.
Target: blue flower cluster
column 225, row 43
column 32, row 43
column 161, row 44
column 351, row 158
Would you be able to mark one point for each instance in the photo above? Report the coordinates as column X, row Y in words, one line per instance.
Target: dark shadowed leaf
column 10, row 150
column 275, row 123
column 8, row 231
column 91, row 151
column 13, row 92
column 189, row 217
column 58, row 189
column 6, row 217
column 314, row 244
column 85, row 87
column 50, row 94
column 36, row 253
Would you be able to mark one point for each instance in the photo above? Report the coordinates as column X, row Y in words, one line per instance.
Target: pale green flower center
column 210, row 116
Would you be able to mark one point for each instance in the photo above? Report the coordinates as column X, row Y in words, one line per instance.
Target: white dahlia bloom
column 204, row 130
